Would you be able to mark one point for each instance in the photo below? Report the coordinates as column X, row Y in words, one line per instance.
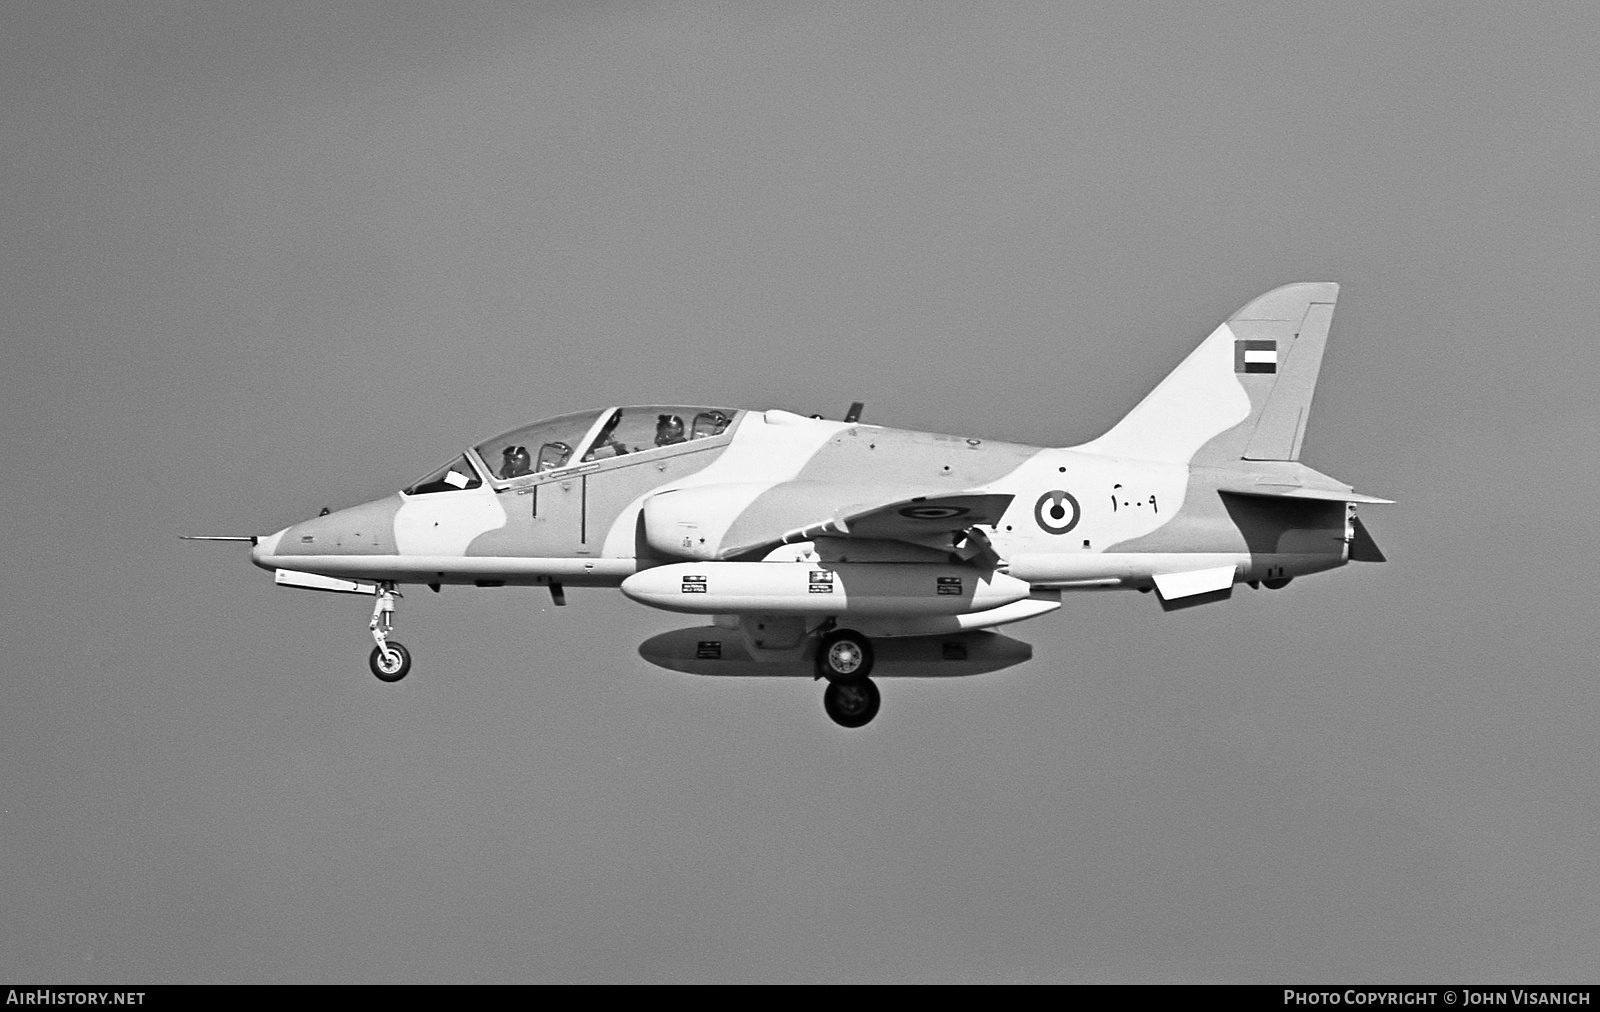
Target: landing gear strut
column 389, row 661
column 844, row 658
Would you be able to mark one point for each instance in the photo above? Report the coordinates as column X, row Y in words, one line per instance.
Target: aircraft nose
column 367, row 529
column 265, row 548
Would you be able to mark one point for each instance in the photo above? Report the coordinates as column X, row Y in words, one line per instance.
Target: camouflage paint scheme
column 1197, row 489
column 838, row 550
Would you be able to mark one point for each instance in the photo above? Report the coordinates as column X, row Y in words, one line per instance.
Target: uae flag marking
column 1255, row 356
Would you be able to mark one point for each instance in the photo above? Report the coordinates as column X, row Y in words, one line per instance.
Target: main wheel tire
column 843, row 655
column 852, row 703
column 391, row 666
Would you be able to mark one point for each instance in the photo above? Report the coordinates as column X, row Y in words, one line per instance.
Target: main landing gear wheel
column 853, row 702
column 844, row 655
column 391, row 664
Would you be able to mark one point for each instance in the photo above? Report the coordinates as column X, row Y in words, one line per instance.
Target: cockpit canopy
column 457, row 474
column 542, row 446
column 636, row 430
column 580, row 437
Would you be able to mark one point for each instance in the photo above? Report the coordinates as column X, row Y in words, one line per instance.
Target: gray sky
column 263, row 258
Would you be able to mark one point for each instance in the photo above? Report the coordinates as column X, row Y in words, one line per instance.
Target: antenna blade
column 854, row 414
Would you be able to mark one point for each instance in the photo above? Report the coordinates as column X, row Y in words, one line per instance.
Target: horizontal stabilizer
column 312, row 581
column 1284, row 479
column 218, row 537
column 1302, row 492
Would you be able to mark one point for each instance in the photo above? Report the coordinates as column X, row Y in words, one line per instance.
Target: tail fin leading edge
column 1243, row 394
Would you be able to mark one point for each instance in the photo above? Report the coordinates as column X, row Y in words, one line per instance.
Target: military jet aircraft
column 839, row 550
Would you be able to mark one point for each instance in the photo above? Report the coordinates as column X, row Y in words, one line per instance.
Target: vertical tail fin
column 1244, row 394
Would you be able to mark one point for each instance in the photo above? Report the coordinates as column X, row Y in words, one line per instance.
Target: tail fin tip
column 1288, row 302
column 1243, row 394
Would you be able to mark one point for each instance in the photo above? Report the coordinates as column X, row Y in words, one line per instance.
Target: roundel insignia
column 934, row 512
column 1057, row 512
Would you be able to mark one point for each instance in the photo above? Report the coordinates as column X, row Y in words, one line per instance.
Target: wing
column 739, row 521
column 919, row 519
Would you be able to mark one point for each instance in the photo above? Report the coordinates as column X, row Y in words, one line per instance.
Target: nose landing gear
column 389, row 661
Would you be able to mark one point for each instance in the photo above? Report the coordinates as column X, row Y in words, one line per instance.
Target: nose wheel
column 390, row 663
column 389, row 660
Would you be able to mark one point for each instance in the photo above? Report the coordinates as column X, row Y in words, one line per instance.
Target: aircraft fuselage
column 1077, row 519
column 806, row 541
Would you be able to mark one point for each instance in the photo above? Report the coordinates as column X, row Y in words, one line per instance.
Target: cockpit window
column 553, row 455
column 454, row 476
column 633, row 430
column 542, row 446
column 710, row 423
